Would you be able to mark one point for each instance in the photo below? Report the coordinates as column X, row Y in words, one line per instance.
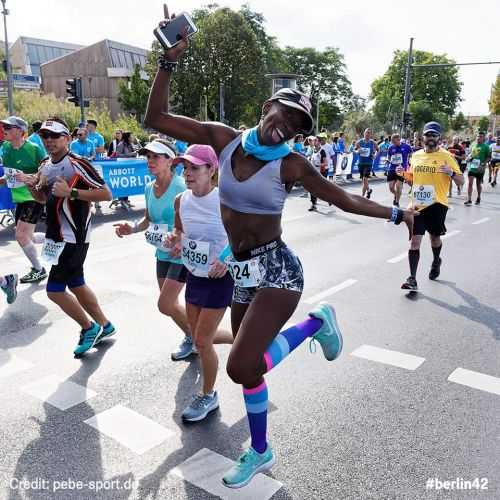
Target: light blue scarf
column 252, row 146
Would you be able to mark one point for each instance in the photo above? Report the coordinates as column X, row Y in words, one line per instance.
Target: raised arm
column 158, row 115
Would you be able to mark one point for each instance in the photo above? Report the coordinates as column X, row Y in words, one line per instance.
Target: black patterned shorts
column 280, row 268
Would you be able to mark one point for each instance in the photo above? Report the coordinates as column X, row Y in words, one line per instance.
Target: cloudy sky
column 366, row 32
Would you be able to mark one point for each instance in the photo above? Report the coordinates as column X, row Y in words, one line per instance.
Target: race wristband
column 226, row 252
column 168, row 66
column 394, row 214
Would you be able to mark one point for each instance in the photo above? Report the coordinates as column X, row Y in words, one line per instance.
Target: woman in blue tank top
column 158, row 220
column 257, row 170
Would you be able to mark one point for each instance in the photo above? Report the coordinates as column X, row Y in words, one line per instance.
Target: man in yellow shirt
column 430, row 172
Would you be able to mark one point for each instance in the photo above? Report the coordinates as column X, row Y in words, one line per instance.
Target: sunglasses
column 9, row 127
column 431, row 134
column 50, row 135
column 80, row 135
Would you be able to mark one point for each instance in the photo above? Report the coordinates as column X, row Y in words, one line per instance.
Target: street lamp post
column 5, row 13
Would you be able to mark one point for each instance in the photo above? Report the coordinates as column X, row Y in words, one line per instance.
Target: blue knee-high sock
column 256, row 405
column 285, row 342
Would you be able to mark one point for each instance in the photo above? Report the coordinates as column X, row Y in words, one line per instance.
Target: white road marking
column 62, row 394
column 394, row 358
column 129, row 428
column 481, row 221
column 476, row 380
column 319, row 296
column 10, row 365
column 398, row 258
column 206, row 468
column 451, row 234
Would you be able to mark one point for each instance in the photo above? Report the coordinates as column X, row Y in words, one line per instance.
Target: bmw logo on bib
column 192, row 245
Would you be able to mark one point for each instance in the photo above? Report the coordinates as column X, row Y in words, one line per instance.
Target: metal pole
column 5, row 13
column 79, row 83
column 317, row 112
column 407, row 88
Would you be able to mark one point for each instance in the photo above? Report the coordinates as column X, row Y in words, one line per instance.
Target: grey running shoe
column 186, row 348
column 10, row 288
column 200, row 407
column 34, row 276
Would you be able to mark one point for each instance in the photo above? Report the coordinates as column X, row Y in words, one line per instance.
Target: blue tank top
column 263, row 193
column 161, row 210
column 366, row 145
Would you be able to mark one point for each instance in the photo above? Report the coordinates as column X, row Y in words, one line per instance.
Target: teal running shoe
column 88, row 339
column 328, row 335
column 107, row 331
column 10, row 288
column 249, row 464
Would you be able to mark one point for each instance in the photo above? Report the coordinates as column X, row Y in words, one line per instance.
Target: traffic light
column 74, row 89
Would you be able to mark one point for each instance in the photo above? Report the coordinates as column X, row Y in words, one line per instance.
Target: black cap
column 297, row 100
column 432, row 127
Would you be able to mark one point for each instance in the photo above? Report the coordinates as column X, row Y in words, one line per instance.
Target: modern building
column 101, row 66
column 27, row 54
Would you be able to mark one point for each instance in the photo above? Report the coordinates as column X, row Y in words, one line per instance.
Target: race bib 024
column 245, row 274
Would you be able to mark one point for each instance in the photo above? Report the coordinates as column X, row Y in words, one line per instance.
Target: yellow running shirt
column 429, row 185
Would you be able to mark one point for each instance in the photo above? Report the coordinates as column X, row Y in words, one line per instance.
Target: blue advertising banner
column 125, row 177
column 5, row 196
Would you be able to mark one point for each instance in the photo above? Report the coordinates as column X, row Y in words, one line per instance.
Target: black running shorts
column 29, row 212
column 431, row 219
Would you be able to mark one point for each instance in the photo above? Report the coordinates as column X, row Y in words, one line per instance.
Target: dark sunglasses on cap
column 47, row 134
column 431, row 134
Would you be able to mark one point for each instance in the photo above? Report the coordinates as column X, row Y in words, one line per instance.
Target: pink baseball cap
column 199, row 154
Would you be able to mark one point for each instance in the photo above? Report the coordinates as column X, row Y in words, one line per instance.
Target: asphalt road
column 395, row 410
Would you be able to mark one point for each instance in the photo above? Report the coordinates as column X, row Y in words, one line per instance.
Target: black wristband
column 169, row 66
column 399, row 217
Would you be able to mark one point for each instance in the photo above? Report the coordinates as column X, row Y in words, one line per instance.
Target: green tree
column 439, row 88
column 355, row 123
column 459, row 122
column 133, row 94
column 483, row 123
column 494, row 101
column 322, row 76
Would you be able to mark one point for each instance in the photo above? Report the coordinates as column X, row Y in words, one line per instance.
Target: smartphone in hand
column 171, row 34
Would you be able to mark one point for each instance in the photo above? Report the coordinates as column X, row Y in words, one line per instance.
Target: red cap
column 199, row 154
